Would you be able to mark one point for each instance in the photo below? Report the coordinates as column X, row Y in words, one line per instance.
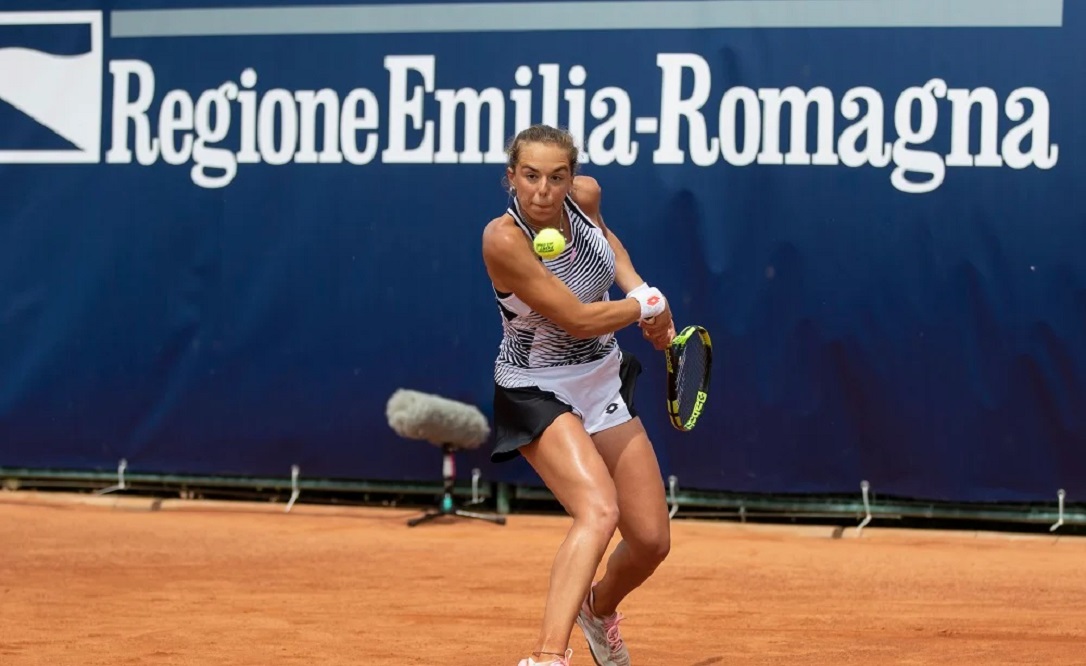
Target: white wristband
column 651, row 300
column 636, row 290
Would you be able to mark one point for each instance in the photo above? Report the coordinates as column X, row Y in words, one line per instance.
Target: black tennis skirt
column 600, row 393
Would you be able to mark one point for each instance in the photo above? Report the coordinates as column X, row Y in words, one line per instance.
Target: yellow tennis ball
column 549, row 243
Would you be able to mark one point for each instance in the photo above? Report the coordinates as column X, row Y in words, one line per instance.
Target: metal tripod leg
column 429, row 515
column 447, row 507
column 461, row 513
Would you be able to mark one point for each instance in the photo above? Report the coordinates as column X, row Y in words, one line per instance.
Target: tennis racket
column 689, row 361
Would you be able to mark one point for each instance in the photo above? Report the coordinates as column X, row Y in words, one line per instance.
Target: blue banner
column 229, row 233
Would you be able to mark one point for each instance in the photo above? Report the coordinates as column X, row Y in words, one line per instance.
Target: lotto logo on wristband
column 653, row 300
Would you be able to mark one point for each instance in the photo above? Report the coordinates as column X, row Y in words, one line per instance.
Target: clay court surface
column 114, row 582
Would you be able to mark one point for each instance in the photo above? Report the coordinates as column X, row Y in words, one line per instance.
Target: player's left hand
column 659, row 330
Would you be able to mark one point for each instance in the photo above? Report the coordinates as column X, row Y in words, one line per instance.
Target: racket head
column 689, row 368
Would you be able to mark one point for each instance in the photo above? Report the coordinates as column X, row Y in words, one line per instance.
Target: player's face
column 542, row 179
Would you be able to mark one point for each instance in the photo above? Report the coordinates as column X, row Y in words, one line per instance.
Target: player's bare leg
column 567, row 460
column 646, row 536
column 643, row 516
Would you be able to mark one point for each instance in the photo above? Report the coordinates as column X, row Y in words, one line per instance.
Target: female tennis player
column 563, row 390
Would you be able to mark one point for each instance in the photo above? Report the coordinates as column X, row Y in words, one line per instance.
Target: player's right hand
column 659, row 331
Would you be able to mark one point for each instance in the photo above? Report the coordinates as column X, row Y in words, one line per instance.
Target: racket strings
column 689, row 373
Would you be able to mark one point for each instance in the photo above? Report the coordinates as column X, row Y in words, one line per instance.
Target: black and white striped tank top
column 530, row 341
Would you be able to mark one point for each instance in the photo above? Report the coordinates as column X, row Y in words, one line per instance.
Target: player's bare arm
column 588, row 194
column 514, row 267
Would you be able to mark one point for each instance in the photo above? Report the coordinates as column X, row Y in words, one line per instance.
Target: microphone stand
column 448, row 506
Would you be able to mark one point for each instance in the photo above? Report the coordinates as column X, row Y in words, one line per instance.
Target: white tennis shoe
column 602, row 634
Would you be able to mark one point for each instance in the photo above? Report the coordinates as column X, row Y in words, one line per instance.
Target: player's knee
column 601, row 515
column 652, row 547
column 661, row 548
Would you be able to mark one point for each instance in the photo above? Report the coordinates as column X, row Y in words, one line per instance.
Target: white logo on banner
column 61, row 92
column 279, row 126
